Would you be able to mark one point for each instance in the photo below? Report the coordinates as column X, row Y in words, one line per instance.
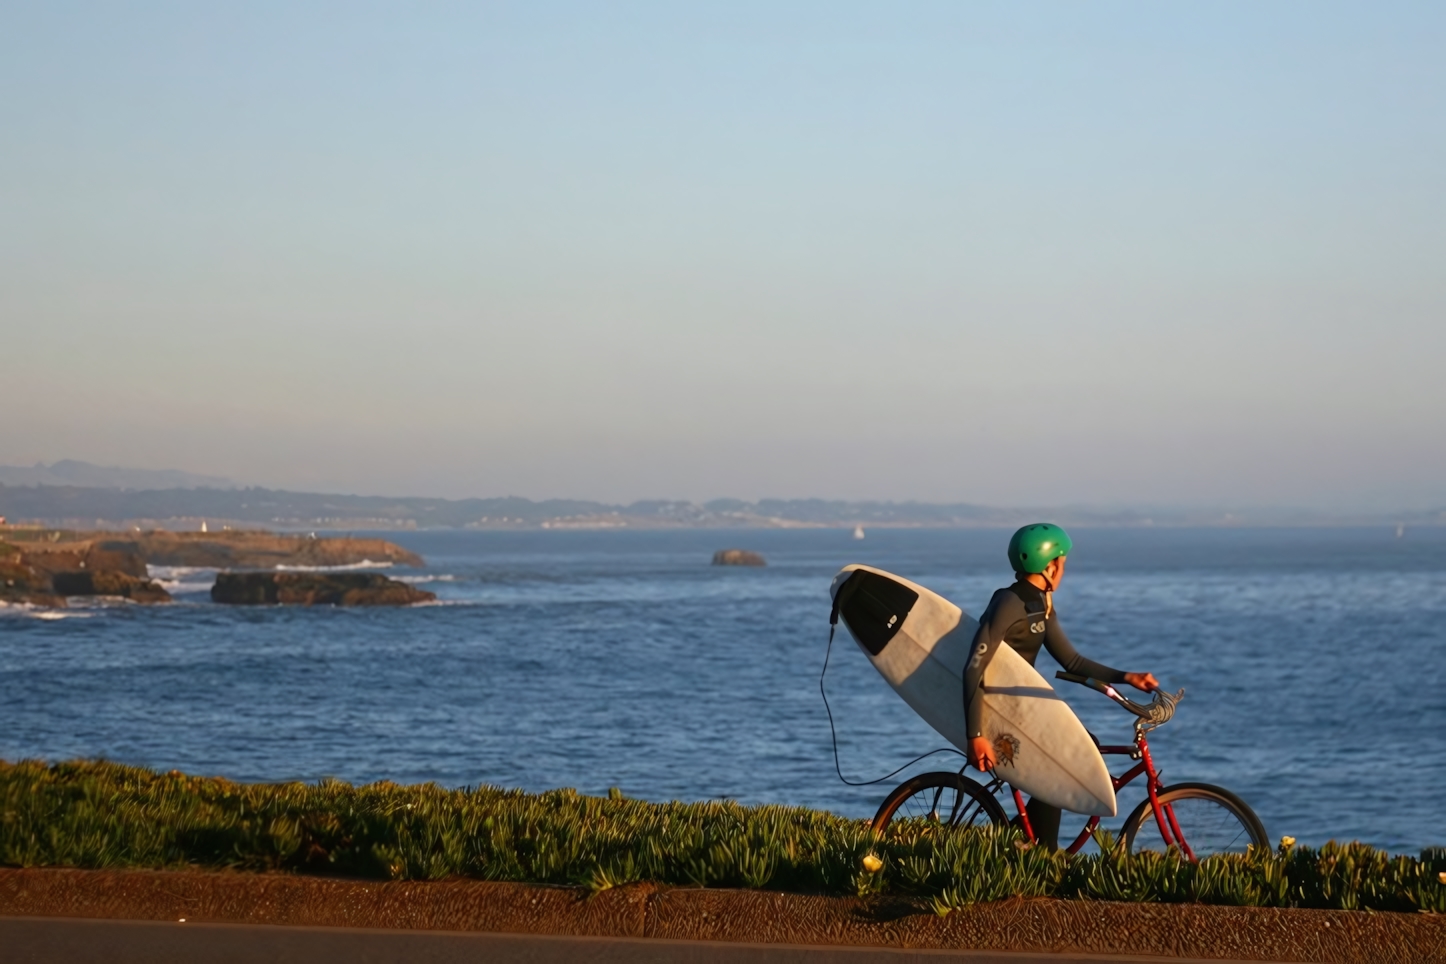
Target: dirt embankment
column 1040, row 925
column 43, row 566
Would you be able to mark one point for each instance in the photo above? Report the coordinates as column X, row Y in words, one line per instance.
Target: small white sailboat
column 858, row 532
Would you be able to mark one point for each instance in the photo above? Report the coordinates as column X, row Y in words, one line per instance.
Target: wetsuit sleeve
column 1063, row 650
column 1003, row 611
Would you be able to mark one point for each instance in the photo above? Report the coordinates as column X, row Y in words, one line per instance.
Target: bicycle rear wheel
column 942, row 799
column 1211, row 819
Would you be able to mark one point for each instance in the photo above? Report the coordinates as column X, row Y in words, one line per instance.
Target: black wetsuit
column 1023, row 616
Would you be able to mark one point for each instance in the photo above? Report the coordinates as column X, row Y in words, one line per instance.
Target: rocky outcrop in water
column 213, row 550
column 738, row 557
column 21, row 583
column 42, row 577
column 109, row 582
column 314, row 589
column 247, row 550
column 98, row 556
column 43, row 566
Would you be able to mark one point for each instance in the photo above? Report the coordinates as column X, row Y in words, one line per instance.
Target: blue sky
column 1117, row 253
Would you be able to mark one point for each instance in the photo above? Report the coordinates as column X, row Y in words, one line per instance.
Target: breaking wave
column 183, row 579
column 364, row 564
column 31, row 611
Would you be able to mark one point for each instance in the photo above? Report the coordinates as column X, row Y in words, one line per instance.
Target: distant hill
column 72, row 506
column 73, row 473
column 97, row 507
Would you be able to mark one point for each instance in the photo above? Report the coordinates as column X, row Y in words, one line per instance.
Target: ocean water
column 1314, row 663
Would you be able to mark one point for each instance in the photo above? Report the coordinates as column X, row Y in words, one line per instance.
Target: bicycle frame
column 1148, row 716
column 1164, row 813
column 1139, row 750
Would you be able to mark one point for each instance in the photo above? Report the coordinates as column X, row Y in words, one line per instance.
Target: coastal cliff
column 21, row 582
column 43, row 566
column 248, row 549
column 45, row 578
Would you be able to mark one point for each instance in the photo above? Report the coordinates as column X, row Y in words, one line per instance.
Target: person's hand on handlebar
column 1143, row 681
column 981, row 754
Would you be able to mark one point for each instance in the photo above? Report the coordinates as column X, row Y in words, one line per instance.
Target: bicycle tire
column 1213, row 820
column 965, row 800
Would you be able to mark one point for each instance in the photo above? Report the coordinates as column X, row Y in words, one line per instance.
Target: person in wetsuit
column 1022, row 617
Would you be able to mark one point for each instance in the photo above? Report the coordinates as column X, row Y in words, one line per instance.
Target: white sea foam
column 32, row 611
column 182, row 579
column 175, row 587
column 418, row 580
column 98, row 602
column 178, row 572
column 364, row 564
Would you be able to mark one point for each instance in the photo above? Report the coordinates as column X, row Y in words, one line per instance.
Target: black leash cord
column 833, row 625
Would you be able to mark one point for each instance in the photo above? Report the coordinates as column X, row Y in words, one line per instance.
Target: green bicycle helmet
column 1036, row 546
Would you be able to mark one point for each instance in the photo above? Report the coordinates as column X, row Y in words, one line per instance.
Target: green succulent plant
column 100, row 815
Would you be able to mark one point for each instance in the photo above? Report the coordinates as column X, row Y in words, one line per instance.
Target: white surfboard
column 919, row 641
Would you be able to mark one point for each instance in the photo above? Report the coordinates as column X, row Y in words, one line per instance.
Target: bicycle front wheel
column 1211, row 819
column 940, row 799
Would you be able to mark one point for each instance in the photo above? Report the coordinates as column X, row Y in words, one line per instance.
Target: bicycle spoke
column 970, row 816
column 954, row 811
column 944, row 805
column 1207, row 825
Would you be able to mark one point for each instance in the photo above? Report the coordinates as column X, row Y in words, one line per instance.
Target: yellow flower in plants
column 1287, row 842
column 872, row 863
column 1442, row 876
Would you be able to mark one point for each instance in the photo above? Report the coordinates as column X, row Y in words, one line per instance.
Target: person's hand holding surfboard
column 981, row 754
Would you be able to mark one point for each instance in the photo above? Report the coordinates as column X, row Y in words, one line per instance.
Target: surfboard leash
column 828, row 652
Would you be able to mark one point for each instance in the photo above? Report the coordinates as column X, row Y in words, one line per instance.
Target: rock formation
column 218, row 550
column 22, row 583
column 109, row 582
column 738, row 557
column 314, row 589
column 43, row 566
column 45, row 575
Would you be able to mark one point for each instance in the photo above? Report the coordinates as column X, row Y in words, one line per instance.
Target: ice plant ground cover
column 102, row 815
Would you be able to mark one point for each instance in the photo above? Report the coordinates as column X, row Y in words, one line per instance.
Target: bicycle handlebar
column 1093, row 684
column 1158, row 710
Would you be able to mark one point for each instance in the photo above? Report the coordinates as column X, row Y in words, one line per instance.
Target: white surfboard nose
column 840, row 578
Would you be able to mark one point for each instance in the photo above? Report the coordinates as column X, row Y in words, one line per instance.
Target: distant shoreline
column 79, row 507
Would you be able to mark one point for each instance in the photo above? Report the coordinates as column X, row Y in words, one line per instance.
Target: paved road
column 60, row 940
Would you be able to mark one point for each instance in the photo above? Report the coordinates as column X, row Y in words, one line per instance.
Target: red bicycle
column 1198, row 818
